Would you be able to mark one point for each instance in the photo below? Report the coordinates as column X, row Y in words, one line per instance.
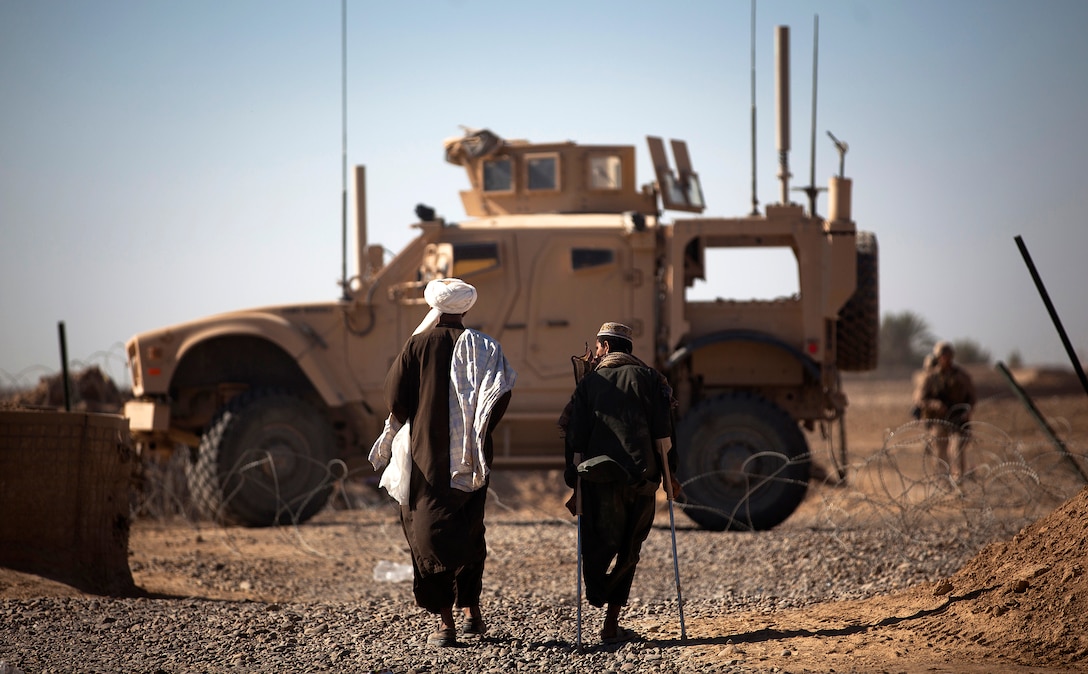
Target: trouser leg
column 469, row 585
column 434, row 592
column 601, row 520
column 939, row 441
column 438, row 591
column 639, row 521
column 963, row 437
column 617, row 521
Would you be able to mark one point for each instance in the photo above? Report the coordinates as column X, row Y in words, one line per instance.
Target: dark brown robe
column 444, row 526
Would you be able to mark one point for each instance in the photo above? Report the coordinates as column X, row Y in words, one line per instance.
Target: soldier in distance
column 945, row 399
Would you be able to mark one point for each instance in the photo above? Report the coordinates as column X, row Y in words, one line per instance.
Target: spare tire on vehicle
column 857, row 332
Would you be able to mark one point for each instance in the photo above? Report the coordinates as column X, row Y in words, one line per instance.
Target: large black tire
column 744, row 463
column 857, row 333
column 264, row 460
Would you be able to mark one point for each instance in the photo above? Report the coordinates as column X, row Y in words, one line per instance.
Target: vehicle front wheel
column 264, row 460
column 744, row 463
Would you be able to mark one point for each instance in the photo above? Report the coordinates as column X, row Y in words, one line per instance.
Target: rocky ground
column 895, row 571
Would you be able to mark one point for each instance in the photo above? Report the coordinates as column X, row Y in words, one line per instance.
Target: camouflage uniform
column 945, row 399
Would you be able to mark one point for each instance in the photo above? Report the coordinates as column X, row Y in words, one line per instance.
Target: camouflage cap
column 943, row 347
column 615, row 330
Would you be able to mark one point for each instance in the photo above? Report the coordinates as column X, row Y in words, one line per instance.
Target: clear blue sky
column 162, row 161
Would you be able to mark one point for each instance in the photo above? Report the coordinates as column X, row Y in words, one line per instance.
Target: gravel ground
column 304, row 599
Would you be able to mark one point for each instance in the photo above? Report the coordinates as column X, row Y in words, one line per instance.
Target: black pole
column 344, row 150
column 64, row 366
column 812, row 190
column 1053, row 313
column 1029, row 405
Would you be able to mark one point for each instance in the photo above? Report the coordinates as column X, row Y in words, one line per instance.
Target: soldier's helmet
column 942, row 347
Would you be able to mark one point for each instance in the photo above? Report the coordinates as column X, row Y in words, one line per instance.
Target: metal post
column 578, row 511
column 1039, row 418
column 1053, row 313
column 64, row 366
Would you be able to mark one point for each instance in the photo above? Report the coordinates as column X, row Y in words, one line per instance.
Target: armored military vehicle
column 273, row 405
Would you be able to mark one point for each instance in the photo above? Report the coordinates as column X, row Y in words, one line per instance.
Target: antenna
column 344, row 149
column 812, row 191
column 842, row 147
column 782, row 107
column 755, row 199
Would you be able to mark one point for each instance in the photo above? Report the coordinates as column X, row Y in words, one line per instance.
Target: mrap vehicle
column 272, row 405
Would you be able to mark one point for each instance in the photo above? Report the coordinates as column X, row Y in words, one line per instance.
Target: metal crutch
column 672, row 527
column 578, row 514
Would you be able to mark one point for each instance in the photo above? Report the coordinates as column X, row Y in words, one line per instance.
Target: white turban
column 446, row 296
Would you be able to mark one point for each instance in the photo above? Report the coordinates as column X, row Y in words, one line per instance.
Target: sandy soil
column 1021, row 605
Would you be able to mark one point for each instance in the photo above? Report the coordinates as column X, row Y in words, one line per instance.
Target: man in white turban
column 452, row 386
column 446, row 296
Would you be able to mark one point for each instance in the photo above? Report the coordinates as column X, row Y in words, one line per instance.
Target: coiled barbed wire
column 111, row 361
column 906, row 489
column 902, row 489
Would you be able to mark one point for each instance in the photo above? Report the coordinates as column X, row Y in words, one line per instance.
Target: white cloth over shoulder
column 479, row 376
column 393, row 452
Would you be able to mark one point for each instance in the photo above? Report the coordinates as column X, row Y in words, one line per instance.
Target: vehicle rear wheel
column 744, row 463
column 264, row 460
column 857, row 332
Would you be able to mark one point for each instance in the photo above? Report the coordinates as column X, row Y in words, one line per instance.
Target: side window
column 472, row 258
column 498, row 175
column 542, row 172
column 605, row 172
column 588, row 258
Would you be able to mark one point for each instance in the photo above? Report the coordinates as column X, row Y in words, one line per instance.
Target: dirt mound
column 1028, row 597
column 90, row 391
column 1018, row 606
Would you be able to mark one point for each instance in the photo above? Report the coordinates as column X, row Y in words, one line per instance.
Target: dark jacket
column 619, row 411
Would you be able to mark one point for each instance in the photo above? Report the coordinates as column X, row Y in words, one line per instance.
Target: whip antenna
column 812, row 190
column 755, row 199
column 344, row 148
